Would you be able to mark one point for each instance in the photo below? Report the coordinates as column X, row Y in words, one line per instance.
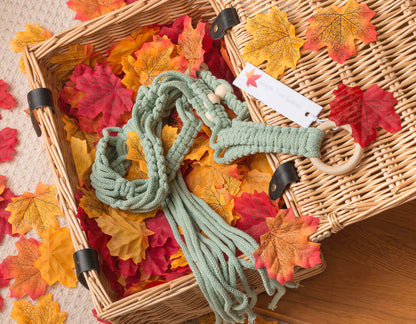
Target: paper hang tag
column 277, row 96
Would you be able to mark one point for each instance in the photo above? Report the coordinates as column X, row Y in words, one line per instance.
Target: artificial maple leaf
column 190, row 43
column 337, row 28
column 274, row 41
column 251, row 78
column 287, row 244
column 137, row 171
column 56, row 261
column 83, row 159
column 198, row 148
column 128, row 237
column 103, row 94
column 178, row 260
column 254, row 209
column 128, row 46
column 76, row 54
column 27, row 278
column 6, row 99
column 173, row 30
column 259, row 162
column 8, row 140
column 255, row 180
column 72, row 130
column 231, row 185
column 2, row 185
column 364, row 111
column 162, row 245
column 5, row 226
column 169, row 135
column 37, row 210
column 152, row 59
column 218, row 201
column 45, row 312
column 33, row 34
column 135, row 152
column 89, row 9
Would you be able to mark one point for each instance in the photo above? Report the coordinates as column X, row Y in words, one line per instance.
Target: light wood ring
column 342, row 168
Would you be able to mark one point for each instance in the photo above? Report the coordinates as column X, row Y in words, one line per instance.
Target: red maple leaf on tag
column 251, row 78
column 8, row 140
column 364, row 111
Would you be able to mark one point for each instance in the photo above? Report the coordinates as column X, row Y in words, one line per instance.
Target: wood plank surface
column 370, row 275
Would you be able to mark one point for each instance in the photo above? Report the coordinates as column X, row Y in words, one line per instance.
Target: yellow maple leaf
column 260, row 163
column 37, row 210
column 152, row 59
column 33, row 34
column 255, row 180
column 76, row 54
column 137, row 171
column 56, row 261
column 46, row 311
column 178, row 260
column 274, row 41
column 135, row 152
column 72, row 130
column 169, row 135
column 83, row 159
column 198, row 148
column 219, row 201
column 128, row 237
column 231, row 185
column 128, row 45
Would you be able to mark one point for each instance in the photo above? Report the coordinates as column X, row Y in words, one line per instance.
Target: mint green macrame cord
column 211, row 255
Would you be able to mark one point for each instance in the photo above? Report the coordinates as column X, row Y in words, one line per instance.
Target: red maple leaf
column 251, row 78
column 254, row 210
column 6, row 99
column 104, row 94
column 8, row 140
column 161, row 245
column 364, row 111
column 5, row 226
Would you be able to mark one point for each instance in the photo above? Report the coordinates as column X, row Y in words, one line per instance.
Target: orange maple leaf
column 56, row 261
column 45, row 312
column 198, row 148
column 128, row 237
column 89, row 9
column 37, row 210
column 287, row 244
column 178, row 260
column 27, row 278
column 72, row 130
column 190, row 43
column 152, row 59
column 259, row 162
column 2, row 185
column 274, row 41
column 219, row 201
column 255, row 180
column 83, row 158
column 337, row 28
column 76, row 54
column 128, row 45
column 251, row 78
column 169, row 135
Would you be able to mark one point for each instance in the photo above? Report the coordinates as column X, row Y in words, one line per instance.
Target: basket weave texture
column 172, row 302
column 386, row 175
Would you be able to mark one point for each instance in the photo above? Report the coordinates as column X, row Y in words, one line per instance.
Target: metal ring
column 342, row 168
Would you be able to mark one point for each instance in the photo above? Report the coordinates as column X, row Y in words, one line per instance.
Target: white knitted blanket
column 30, row 164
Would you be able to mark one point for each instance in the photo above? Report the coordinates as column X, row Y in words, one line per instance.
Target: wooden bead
column 213, row 98
column 209, row 116
column 221, row 90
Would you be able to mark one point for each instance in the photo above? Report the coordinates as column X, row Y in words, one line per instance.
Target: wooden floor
column 370, row 275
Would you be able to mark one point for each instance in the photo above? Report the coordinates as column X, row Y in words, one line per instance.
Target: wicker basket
column 172, row 302
column 386, row 175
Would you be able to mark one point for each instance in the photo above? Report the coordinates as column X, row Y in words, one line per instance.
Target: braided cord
column 209, row 244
